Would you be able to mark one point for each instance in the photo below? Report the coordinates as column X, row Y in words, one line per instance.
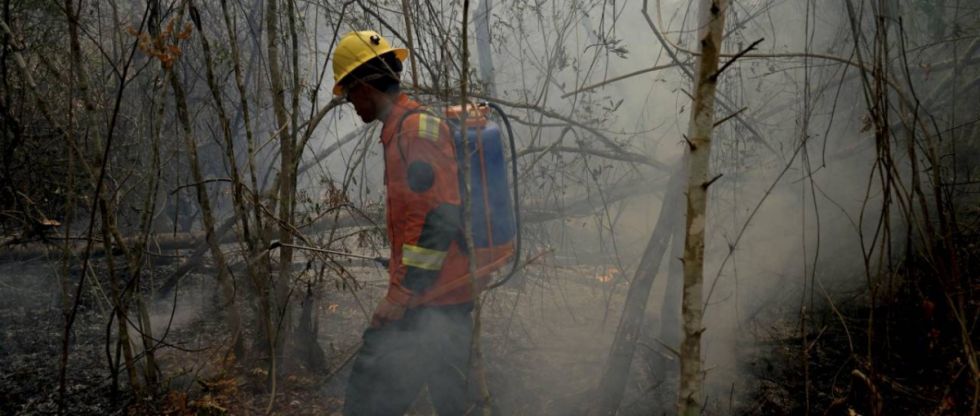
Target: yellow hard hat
column 356, row 48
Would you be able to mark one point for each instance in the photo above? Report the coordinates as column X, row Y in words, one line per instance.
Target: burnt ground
column 546, row 336
column 31, row 327
column 905, row 355
column 545, row 339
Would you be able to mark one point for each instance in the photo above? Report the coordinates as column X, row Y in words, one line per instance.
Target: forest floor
column 906, row 355
column 545, row 339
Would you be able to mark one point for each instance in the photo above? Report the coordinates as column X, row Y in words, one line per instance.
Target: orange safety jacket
column 423, row 209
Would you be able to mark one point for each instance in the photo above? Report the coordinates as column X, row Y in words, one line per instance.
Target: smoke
column 785, row 220
column 177, row 317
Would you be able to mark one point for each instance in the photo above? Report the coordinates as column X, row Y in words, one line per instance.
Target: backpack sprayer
column 495, row 214
column 495, row 201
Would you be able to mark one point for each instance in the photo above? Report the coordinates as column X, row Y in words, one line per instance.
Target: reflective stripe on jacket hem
column 422, row 258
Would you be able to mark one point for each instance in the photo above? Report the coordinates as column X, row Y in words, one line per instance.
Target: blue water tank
column 492, row 210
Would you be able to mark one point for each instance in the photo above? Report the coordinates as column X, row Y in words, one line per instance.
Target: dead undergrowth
column 903, row 356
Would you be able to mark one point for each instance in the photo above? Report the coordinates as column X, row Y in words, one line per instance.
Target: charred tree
column 613, row 382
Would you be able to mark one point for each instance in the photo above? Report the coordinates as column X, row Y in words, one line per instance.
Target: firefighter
column 408, row 346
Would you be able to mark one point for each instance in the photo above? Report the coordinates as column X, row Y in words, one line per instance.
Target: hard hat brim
column 400, row 53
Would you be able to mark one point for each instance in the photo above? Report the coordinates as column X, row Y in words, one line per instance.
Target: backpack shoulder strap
column 427, row 129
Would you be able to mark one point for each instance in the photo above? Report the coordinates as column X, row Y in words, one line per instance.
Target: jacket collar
column 399, row 107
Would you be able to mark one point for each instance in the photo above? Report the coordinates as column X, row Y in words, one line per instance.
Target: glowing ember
column 607, row 277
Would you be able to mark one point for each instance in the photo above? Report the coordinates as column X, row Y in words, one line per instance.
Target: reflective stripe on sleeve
column 422, row 258
column 429, row 126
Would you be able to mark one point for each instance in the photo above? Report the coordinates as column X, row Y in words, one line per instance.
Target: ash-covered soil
column 545, row 338
column 32, row 329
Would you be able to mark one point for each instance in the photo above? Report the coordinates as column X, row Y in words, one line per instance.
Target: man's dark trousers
column 429, row 346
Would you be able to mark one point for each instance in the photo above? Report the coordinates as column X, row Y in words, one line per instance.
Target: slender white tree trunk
column 483, row 46
column 712, row 24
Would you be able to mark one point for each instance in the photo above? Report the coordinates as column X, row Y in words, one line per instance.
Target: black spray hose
column 515, row 199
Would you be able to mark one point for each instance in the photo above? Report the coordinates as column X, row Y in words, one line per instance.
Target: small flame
column 607, row 277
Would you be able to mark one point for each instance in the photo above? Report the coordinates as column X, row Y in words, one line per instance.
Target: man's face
column 366, row 100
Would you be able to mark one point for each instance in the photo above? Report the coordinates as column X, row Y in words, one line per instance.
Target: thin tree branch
column 735, row 57
column 619, row 78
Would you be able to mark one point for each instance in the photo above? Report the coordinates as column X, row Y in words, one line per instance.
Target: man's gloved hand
column 386, row 312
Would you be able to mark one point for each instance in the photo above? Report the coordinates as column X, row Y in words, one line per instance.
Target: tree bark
column 286, row 194
column 483, row 46
column 670, row 309
column 712, row 23
column 207, row 216
column 238, row 188
column 477, row 372
column 121, row 312
column 613, row 382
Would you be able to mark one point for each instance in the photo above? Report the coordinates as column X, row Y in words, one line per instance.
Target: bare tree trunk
column 246, row 118
column 287, row 191
column 613, row 382
column 64, row 276
column 238, row 189
column 119, row 306
column 135, row 258
column 477, row 372
column 670, row 309
column 224, row 282
column 99, row 201
column 411, row 42
column 712, row 24
column 483, row 46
